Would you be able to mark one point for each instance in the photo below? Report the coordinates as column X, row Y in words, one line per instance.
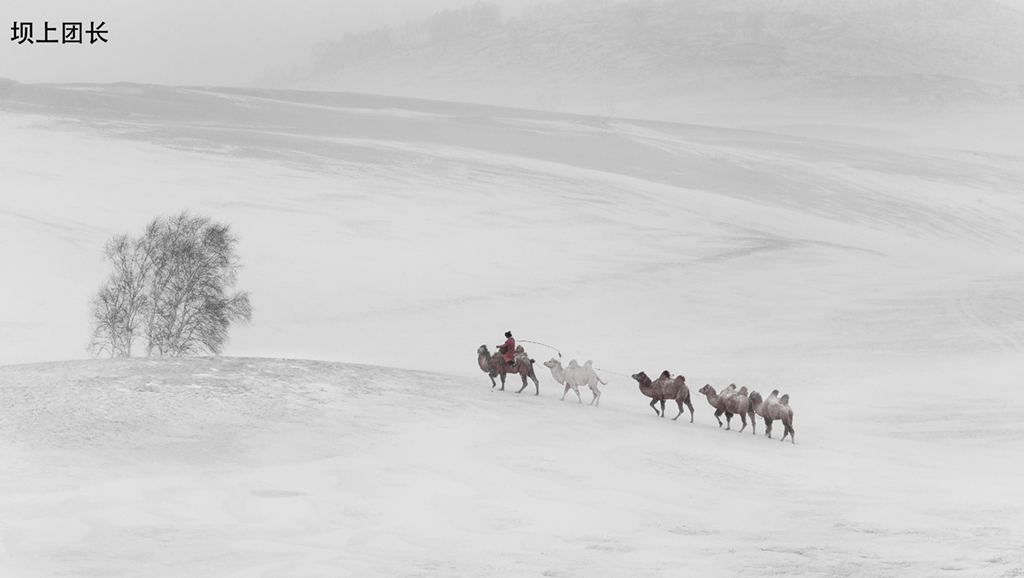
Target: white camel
column 558, row 373
column 573, row 376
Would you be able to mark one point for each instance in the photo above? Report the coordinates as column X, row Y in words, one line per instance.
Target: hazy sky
column 227, row 42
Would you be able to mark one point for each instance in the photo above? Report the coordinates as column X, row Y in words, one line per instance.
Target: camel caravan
column 512, row 359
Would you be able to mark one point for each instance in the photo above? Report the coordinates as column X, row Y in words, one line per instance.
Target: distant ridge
column 669, row 60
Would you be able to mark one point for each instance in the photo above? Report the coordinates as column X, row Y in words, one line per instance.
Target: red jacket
column 509, row 349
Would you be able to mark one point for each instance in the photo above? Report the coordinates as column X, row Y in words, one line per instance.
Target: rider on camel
column 508, row 349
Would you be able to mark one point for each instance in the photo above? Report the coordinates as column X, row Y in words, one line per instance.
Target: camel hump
column 743, row 390
column 589, row 364
column 755, row 397
column 573, row 363
column 784, row 400
column 665, row 374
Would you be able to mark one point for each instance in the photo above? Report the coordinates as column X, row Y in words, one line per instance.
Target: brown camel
column 495, row 365
column 717, row 402
column 742, row 405
column 665, row 387
column 733, row 402
column 485, row 361
column 774, row 408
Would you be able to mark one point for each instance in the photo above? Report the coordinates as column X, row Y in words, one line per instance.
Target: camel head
column 482, row 351
column 642, row 378
column 707, row 390
column 552, row 363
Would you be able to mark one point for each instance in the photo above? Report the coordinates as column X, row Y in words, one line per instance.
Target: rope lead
column 560, row 356
column 543, row 344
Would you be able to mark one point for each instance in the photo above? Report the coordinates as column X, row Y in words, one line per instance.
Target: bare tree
column 119, row 306
column 173, row 285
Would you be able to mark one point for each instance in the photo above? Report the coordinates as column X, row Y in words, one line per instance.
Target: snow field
column 236, row 466
column 877, row 285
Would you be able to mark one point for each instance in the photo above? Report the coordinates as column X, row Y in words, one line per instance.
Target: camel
column 573, row 376
column 494, row 365
column 730, row 402
column 558, row 373
column 665, row 387
column 738, row 403
column 485, row 361
column 716, row 402
column 774, row 408
column 591, row 379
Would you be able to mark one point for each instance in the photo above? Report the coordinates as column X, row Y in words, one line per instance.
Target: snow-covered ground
column 877, row 284
column 257, row 467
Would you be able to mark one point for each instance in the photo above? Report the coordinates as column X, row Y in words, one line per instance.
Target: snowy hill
column 236, row 466
column 730, row 63
column 406, row 233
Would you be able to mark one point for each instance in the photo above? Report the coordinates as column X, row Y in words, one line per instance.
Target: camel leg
column 502, row 375
column 743, row 418
column 690, row 405
column 662, row 408
column 753, row 423
column 728, row 421
column 768, row 427
column 680, row 404
column 576, row 390
column 597, row 396
column 564, row 393
column 717, row 414
column 654, row 401
column 524, row 386
column 789, row 431
column 536, row 384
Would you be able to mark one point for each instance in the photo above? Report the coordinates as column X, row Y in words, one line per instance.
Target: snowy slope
column 406, row 233
column 251, row 467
